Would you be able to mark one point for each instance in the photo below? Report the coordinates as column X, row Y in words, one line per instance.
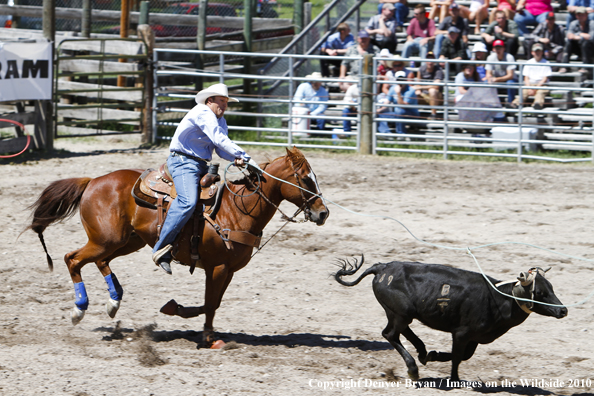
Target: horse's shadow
column 291, row 340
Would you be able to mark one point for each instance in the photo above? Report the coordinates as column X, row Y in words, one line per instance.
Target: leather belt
column 174, row 153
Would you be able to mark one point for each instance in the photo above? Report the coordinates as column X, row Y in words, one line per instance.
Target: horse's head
column 308, row 197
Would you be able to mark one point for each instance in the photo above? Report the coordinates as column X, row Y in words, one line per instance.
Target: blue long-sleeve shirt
column 201, row 132
column 306, row 92
column 334, row 42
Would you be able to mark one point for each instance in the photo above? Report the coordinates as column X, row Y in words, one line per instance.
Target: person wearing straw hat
column 202, row 131
column 312, row 91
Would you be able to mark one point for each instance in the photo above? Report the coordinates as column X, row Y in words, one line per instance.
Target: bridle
column 306, row 206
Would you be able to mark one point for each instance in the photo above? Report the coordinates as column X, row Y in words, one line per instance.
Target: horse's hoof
column 170, row 308
column 112, row 307
column 208, row 337
column 218, row 344
column 77, row 315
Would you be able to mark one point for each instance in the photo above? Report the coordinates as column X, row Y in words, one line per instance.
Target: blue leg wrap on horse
column 81, row 301
column 115, row 289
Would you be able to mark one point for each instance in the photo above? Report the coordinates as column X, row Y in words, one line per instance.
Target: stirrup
column 161, row 252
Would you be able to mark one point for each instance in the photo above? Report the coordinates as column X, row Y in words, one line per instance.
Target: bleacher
column 570, row 111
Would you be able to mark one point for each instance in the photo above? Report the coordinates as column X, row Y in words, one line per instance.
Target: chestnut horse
column 116, row 226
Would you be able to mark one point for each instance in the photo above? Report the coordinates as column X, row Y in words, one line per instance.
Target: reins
column 304, row 207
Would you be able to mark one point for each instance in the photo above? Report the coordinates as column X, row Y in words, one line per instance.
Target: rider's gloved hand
column 239, row 162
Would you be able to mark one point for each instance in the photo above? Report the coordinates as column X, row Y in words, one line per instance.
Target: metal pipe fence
column 524, row 133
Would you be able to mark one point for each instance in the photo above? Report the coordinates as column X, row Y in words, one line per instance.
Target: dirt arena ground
column 290, row 328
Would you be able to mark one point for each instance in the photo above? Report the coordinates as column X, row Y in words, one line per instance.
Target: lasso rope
column 28, row 138
column 467, row 249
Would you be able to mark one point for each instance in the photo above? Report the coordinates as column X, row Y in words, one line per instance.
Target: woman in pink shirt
column 531, row 12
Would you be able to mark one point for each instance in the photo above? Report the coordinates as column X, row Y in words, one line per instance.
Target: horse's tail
column 58, row 202
column 349, row 269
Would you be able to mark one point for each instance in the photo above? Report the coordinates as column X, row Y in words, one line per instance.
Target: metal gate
column 99, row 87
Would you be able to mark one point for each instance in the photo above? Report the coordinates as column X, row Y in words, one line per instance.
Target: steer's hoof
column 112, row 307
column 77, row 315
column 413, row 373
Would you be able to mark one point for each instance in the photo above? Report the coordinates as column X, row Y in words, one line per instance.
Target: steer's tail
column 349, row 268
column 59, row 201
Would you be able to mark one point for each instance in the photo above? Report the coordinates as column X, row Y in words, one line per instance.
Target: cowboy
column 200, row 132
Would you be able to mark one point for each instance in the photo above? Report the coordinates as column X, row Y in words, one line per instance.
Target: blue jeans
column 528, row 19
column 415, row 46
column 186, row 174
column 511, row 92
column 382, row 126
column 347, row 112
column 437, row 47
column 401, row 13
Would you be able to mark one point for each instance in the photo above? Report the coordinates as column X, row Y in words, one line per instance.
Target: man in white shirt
column 202, row 131
column 313, row 92
column 536, row 74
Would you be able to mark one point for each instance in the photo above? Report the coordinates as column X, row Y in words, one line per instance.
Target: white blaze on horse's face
column 312, row 177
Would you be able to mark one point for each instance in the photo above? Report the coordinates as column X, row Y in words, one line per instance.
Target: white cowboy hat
column 315, row 75
column 214, row 90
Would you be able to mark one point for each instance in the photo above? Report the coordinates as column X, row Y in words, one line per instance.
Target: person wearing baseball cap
column 351, row 67
column 579, row 39
column 401, row 11
column 500, row 73
column 536, row 74
column 504, row 30
column 551, row 36
column 382, row 28
column 479, row 53
column 454, row 19
column 199, row 133
column 573, row 5
column 454, row 48
column 399, row 94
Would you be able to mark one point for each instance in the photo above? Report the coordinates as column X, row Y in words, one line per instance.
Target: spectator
column 535, row 76
column 440, row 8
column 453, row 20
column 336, row 45
column 382, row 28
column 351, row 67
column 384, row 64
column 400, row 94
column 502, row 73
column 572, row 5
column 507, row 6
column 467, row 75
column 397, row 65
column 477, row 13
column 550, row 35
column 504, row 30
column 430, row 94
column 479, row 53
column 454, row 48
column 531, row 12
column 420, row 34
column 313, row 92
column 579, row 38
column 401, row 12
column 351, row 98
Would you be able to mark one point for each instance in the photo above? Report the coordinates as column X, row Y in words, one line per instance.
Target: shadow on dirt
column 291, row 340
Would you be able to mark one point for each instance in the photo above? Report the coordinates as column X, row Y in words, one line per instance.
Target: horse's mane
column 294, row 156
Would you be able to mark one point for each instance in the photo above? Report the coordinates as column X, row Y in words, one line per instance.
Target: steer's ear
column 524, row 279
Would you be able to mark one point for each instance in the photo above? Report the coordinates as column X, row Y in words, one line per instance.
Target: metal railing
column 276, row 126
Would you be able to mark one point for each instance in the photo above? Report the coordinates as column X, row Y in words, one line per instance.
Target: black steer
column 451, row 300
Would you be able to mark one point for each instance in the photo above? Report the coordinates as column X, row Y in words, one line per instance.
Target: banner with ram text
column 25, row 71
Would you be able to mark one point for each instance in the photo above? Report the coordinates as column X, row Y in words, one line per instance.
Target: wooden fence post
column 146, row 34
column 47, row 108
column 366, row 146
column 86, row 19
column 201, row 42
column 247, row 47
